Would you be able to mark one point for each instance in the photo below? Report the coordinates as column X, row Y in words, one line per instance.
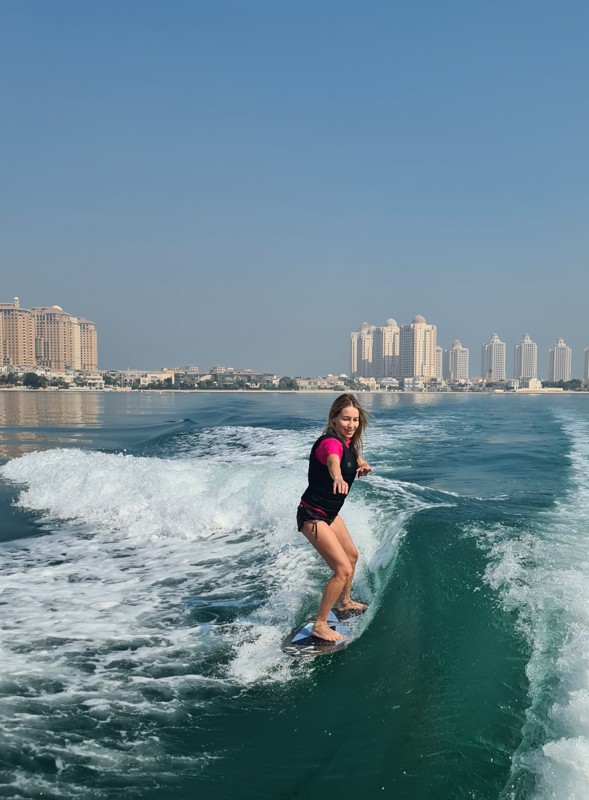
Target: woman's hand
column 335, row 470
column 364, row 468
column 340, row 486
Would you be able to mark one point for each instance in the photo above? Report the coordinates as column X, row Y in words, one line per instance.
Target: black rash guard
column 319, row 494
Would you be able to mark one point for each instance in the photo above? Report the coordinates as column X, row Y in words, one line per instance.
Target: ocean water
column 150, row 567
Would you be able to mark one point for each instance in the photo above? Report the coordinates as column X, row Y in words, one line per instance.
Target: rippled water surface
column 150, row 567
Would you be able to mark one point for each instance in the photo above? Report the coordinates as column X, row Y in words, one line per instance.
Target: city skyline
column 48, row 336
column 413, row 350
column 241, row 183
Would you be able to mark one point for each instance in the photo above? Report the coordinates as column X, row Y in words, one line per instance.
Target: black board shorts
column 306, row 514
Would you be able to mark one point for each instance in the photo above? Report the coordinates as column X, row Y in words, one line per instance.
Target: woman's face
column 347, row 421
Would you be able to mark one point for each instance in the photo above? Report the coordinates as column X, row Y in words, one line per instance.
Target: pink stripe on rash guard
column 330, row 447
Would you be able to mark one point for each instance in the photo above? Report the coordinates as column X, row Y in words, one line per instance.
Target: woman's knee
column 344, row 570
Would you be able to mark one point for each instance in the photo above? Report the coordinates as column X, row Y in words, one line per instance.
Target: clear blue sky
column 244, row 182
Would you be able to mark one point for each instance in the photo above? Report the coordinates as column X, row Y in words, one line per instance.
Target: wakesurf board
column 301, row 642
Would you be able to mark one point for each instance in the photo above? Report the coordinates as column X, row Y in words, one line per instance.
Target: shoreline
column 87, row 390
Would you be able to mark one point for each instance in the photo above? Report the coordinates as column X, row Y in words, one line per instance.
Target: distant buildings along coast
column 408, row 355
column 46, row 337
column 58, row 346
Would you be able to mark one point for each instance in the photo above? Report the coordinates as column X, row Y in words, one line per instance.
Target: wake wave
column 156, row 585
column 543, row 575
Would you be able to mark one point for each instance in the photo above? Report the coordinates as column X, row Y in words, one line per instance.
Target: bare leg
column 330, row 549
column 345, row 602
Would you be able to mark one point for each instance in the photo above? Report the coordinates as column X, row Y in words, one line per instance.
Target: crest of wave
column 132, row 538
column 542, row 573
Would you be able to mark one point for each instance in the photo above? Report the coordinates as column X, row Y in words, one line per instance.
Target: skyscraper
column 525, row 362
column 361, row 352
column 18, row 337
column 88, row 345
column 417, row 342
column 439, row 362
column 493, row 360
column 561, row 359
column 385, row 351
column 457, row 360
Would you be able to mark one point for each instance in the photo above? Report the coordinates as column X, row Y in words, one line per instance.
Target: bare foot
column 321, row 630
column 352, row 605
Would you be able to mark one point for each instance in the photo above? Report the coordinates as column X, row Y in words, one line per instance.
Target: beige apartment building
column 361, row 351
column 57, row 339
column 386, row 351
column 88, row 345
column 18, row 336
column 46, row 337
column 418, row 349
column 393, row 351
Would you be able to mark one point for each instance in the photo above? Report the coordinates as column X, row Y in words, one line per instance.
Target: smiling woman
column 334, row 462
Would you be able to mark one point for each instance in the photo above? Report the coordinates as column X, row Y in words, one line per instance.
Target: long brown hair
column 338, row 405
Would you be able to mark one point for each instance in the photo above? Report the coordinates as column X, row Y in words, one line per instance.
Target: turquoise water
column 151, row 567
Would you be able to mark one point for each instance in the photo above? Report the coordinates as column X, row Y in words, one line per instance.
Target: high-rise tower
column 361, row 352
column 457, row 362
column 525, row 362
column 88, row 345
column 417, row 344
column 385, row 350
column 561, row 359
column 17, row 345
column 493, row 360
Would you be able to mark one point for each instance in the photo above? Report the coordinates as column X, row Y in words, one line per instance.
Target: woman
column 333, row 464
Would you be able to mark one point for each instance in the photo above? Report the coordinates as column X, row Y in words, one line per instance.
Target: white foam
column 157, row 578
column 543, row 574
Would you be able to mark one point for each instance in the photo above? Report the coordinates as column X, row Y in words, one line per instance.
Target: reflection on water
column 36, row 420
column 28, row 407
column 27, row 419
column 382, row 400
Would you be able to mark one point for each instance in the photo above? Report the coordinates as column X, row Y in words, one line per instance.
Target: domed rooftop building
column 418, row 349
column 58, row 343
column 493, row 360
column 385, row 352
column 457, row 365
